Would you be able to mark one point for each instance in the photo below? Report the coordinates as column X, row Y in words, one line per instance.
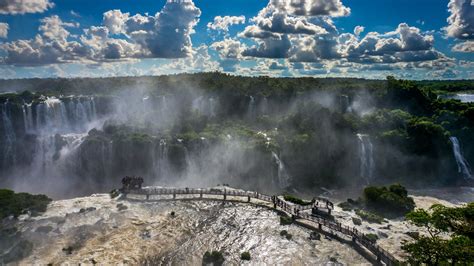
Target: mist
column 181, row 133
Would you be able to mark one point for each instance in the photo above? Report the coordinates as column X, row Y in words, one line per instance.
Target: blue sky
column 406, row 38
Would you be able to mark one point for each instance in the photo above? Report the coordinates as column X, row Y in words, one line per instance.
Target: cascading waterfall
column 366, row 157
column 9, row 150
column 60, row 127
column 283, row 176
column 28, row 117
column 463, row 165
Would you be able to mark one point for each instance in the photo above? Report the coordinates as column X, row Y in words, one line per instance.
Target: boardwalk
column 297, row 212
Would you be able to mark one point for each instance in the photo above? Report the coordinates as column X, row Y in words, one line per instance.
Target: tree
column 448, row 235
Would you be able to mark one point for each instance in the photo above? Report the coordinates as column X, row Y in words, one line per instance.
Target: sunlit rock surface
column 98, row 229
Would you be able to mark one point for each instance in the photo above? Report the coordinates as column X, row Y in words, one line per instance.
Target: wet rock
column 145, row 234
column 413, row 234
column 314, row 236
column 44, row 229
column 387, row 227
column 121, row 207
column 356, row 221
column 68, row 250
column 21, row 249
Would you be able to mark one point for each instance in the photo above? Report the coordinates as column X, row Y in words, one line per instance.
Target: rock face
column 98, row 229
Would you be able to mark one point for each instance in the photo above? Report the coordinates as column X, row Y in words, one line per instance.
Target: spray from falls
column 9, row 141
column 366, row 157
column 463, row 165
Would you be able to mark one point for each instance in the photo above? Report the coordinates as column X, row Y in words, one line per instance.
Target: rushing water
column 147, row 231
column 463, row 165
column 366, row 157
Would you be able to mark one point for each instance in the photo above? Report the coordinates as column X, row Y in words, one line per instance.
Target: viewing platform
column 301, row 215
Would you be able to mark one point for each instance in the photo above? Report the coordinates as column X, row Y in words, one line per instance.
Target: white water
column 463, row 165
column 111, row 236
column 366, row 157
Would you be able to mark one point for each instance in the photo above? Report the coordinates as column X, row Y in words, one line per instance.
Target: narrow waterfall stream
column 366, row 157
column 463, row 165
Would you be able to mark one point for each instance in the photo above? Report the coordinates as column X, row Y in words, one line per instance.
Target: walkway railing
column 295, row 210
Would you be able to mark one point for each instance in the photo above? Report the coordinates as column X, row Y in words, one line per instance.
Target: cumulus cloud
column 122, row 36
column 223, row 23
column 333, row 8
column 4, row 30
column 304, row 31
column 464, row 47
column 49, row 47
column 461, row 20
column 461, row 24
column 14, row 7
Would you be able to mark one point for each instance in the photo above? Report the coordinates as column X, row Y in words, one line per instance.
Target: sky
column 411, row 39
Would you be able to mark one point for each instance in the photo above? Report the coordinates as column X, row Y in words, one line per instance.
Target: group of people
column 132, row 182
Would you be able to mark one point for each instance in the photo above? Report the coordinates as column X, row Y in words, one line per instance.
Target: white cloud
column 14, row 7
column 461, row 20
column 358, row 30
column 4, row 30
column 464, row 47
column 333, row 8
column 223, row 23
column 123, row 37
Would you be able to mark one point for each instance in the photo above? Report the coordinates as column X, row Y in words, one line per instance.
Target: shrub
column 296, row 200
column 388, row 201
column 372, row 237
column 245, row 255
column 345, row 206
column 15, row 204
column 284, row 220
column 369, row 217
column 283, row 232
column 213, row 257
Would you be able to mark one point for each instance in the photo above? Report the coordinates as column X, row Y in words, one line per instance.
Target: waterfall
column 94, row 109
column 212, row 107
column 81, row 115
column 283, row 176
column 28, row 112
column 366, row 157
column 197, row 105
column 9, row 150
column 251, row 108
column 264, row 106
column 25, row 119
column 52, row 152
column 463, row 165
